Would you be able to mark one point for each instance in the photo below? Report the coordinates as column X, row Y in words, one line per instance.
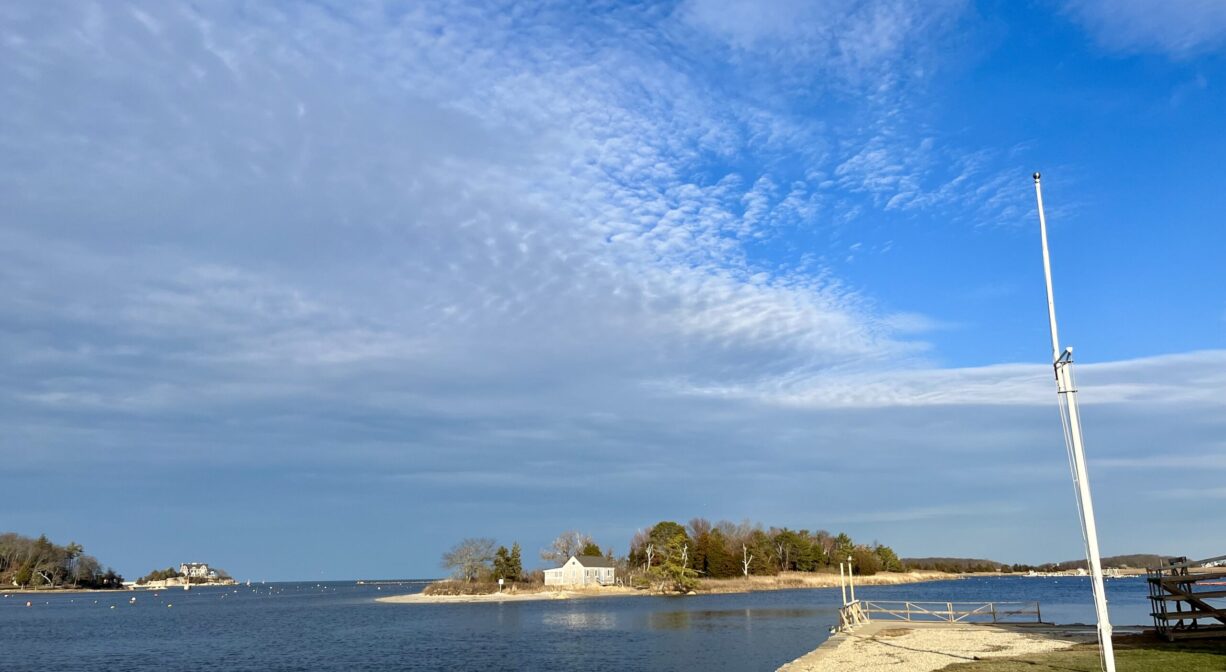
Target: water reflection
column 581, row 620
column 508, row 619
column 682, row 619
column 668, row 620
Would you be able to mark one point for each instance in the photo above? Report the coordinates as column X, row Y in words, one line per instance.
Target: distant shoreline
column 752, row 584
column 127, row 588
column 58, row 591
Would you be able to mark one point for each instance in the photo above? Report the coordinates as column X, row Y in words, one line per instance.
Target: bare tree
column 825, row 541
column 737, row 533
column 746, row 558
column 570, row 542
column 470, row 558
column 86, row 569
column 699, row 527
column 650, row 551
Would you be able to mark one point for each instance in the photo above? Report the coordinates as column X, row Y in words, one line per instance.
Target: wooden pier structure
column 855, row 613
column 954, row 612
column 1180, row 595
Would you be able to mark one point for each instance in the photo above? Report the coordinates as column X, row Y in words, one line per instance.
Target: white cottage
column 582, row 570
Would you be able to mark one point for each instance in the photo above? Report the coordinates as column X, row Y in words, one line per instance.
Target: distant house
column 583, row 570
column 197, row 570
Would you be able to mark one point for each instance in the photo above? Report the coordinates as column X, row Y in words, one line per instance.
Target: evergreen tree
column 888, row 559
column 515, row 564
column 843, row 546
column 666, row 532
column 675, row 568
column 721, row 563
column 502, row 563
column 591, row 548
column 765, row 562
column 700, row 555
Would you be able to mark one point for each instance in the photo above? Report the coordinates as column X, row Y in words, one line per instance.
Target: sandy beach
column 785, row 581
column 794, row 580
column 517, row 596
column 924, row 647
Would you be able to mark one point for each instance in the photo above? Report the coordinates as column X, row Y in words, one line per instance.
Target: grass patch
column 1138, row 653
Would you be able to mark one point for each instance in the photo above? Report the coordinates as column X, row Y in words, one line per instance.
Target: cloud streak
column 445, row 258
column 1178, row 29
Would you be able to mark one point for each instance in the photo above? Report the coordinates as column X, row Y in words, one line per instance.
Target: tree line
column 959, row 565
column 670, row 554
column 38, row 563
column 956, row 565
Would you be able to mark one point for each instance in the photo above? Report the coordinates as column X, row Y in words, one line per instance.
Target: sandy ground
column 507, row 596
column 923, row 647
column 793, row 580
column 785, row 581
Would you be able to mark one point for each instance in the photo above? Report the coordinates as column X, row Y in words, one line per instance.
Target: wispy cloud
column 439, row 257
column 859, row 43
column 1198, row 494
column 1192, row 378
column 1178, row 29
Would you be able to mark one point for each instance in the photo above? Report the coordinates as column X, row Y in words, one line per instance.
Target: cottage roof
column 594, row 561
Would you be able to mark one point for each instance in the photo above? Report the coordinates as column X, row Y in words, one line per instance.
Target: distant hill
column 953, row 564
column 1136, row 560
column 957, row 565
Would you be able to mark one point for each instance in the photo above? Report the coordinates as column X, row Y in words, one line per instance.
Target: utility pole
column 1066, row 389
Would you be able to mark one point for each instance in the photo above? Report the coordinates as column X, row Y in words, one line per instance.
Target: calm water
column 339, row 626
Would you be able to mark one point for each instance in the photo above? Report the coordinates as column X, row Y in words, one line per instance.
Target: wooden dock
column 860, row 612
column 1180, row 595
column 955, row 612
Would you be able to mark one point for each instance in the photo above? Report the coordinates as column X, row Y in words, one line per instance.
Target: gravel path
column 916, row 647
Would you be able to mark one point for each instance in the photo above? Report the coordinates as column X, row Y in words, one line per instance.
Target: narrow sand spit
column 923, row 647
column 419, row 598
column 783, row 581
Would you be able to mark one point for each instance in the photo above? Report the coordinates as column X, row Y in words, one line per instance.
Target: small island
column 667, row 558
column 187, row 575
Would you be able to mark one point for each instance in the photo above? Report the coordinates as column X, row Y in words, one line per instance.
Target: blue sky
column 313, row 290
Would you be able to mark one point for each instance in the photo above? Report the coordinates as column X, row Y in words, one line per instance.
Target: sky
column 314, row 290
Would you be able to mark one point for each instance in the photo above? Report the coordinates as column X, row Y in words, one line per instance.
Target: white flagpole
column 1066, row 390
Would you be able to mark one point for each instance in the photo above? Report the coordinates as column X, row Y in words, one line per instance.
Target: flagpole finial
column 1036, row 177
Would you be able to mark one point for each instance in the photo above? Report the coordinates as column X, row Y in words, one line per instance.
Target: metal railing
column 851, row 615
column 954, row 612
